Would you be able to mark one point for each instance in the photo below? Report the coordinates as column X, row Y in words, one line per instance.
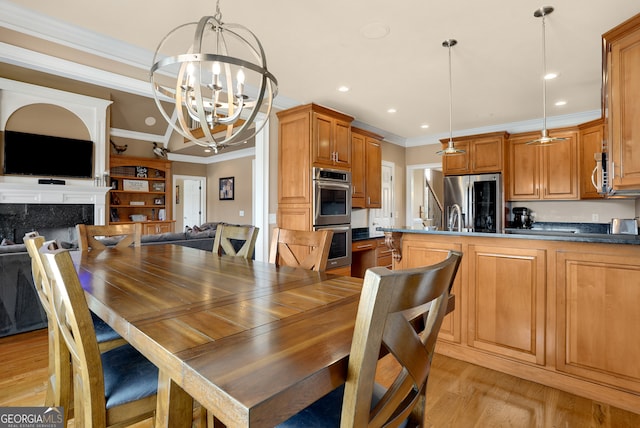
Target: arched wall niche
column 90, row 111
column 48, row 119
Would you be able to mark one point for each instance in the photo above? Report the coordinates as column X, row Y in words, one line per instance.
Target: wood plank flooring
column 459, row 394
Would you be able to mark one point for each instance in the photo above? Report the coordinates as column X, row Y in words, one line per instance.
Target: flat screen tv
column 47, row 156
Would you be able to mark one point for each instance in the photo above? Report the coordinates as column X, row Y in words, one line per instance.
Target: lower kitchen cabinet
column 598, row 317
column 423, row 254
column 507, row 301
column 156, row 227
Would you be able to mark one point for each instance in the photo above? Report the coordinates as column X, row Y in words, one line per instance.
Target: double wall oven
column 332, row 210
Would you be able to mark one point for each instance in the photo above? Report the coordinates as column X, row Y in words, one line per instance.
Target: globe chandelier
column 215, row 97
column 450, row 150
column 544, row 138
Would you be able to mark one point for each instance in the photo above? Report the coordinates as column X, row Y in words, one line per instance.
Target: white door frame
column 261, row 191
column 409, row 186
column 203, row 193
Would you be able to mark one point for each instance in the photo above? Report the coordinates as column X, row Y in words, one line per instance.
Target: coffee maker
column 521, row 218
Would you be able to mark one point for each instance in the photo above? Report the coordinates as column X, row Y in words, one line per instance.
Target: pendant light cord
column 544, row 76
column 450, row 98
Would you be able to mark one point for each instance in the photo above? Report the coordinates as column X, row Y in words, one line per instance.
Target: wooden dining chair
column 229, row 237
column 389, row 302
column 131, row 234
column 300, row 248
column 59, row 379
column 115, row 388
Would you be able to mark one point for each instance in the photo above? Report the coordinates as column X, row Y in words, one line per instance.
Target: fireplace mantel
column 17, row 193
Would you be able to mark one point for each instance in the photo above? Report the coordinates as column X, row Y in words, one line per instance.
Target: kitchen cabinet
column 421, row 253
column 543, row 172
column 483, row 153
column 331, row 138
column 622, row 103
column 369, row 253
column 141, row 187
column 591, row 140
column 597, row 309
column 507, row 301
column 366, row 169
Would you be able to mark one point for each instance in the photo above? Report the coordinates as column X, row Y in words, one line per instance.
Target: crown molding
column 220, row 157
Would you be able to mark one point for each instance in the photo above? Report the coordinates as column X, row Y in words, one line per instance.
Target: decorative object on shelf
column 137, row 203
column 114, row 184
column 141, row 172
column 158, row 201
column 544, row 139
column 204, row 92
column 138, row 217
column 120, row 149
column 114, row 217
column 157, row 186
column 115, row 200
column 135, row 185
column 159, row 151
column 226, row 188
column 450, row 150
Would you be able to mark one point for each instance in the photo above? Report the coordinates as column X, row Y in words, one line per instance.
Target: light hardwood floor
column 459, row 394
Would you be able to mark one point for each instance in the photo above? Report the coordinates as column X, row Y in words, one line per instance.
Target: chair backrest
column 390, row 300
column 300, row 248
column 131, row 234
column 227, row 234
column 33, row 242
column 76, row 329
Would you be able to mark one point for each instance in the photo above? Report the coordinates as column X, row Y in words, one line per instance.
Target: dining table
column 251, row 342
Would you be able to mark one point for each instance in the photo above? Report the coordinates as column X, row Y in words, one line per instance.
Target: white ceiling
column 315, row 47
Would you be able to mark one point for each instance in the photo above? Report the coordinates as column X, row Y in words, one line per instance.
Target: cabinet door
column 358, row 170
column 524, row 170
column 458, row 163
column 423, row 254
column 294, row 149
column 487, row 155
column 624, row 106
column 560, row 167
column 507, row 301
column 598, row 317
column 373, row 173
column 342, row 144
column 323, row 150
column 590, row 142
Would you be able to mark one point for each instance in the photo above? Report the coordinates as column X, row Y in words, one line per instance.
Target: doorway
column 189, row 204
column 424, row 194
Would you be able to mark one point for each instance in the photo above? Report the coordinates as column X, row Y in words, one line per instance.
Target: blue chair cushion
column 128, row 376
column 326, row 412
column 104, row 332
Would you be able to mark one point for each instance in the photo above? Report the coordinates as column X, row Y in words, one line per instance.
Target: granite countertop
column 571, row 232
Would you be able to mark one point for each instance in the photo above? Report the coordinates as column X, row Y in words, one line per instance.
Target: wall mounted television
column 47, row 156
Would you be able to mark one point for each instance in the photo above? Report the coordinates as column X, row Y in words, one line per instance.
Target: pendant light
column 450, row 150
column 544, row 138
column 216, row 96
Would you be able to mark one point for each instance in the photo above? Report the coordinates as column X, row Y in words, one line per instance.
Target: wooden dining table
column 251, row 342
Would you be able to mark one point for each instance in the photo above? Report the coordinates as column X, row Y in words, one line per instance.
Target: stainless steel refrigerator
column 480, row 200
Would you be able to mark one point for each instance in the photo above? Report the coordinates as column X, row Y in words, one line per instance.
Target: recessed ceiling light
column 207, row 150
column 561, row 103
column 391, row 110
column 550, row 76
column 375, row 30
column 150, row 121
column 424, row 126
column 343, row 88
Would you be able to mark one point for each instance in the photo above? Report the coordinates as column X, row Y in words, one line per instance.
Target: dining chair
column 229, row 238
column 300, row 248
column 131, row 234
column 389, row 302
column 114, row 388
column 106, row 336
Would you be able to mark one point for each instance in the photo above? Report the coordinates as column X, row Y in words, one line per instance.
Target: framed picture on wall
column 226, row 188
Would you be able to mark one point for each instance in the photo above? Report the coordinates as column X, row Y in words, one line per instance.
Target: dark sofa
column 20, row 308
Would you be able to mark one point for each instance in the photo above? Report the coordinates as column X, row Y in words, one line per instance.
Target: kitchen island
column 560, row 309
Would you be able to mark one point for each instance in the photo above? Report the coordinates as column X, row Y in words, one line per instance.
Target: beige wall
column 229, row 210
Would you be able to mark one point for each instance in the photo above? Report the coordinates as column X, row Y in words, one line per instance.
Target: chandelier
column 544, row 138
column 215, row 96
column 450, row 150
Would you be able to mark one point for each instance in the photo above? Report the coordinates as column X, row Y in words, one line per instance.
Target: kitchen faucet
column 455, row 214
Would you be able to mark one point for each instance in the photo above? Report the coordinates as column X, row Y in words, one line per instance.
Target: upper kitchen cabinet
column 543, row 172
column 591, row 140
column 366, row 169
column 331, row 137
column 483, row 153
column 621, row 85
